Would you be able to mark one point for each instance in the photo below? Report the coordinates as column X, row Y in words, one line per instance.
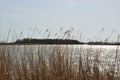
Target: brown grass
column 23, row 62
column 46, row 63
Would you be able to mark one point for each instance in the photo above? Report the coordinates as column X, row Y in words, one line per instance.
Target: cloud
column 72, row 3
column 69, row 3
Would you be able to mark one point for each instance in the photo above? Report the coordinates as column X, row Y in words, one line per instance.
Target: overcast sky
column 86, row 16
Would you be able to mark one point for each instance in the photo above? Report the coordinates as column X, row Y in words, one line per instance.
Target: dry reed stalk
column 55, row 63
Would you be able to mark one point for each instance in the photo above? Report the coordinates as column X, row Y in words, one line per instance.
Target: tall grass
column 52, row 63
column 56, row 62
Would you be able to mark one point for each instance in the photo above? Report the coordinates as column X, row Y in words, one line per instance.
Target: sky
column 91, row 20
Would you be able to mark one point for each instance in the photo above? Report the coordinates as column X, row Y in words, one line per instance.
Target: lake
column 105, row 56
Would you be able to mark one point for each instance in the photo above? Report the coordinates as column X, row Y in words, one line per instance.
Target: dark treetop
column 28, row 41
column 46, row 41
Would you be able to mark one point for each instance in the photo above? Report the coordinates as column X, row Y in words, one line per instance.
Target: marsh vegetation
column 58, row 62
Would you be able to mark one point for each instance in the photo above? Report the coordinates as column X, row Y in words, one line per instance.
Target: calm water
column 108, row 56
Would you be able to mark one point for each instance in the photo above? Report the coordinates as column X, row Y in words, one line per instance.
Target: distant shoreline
column 28, row 41
column 55, row 44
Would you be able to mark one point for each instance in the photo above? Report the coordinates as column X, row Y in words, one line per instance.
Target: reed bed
column 43, row 62
column 57, row 62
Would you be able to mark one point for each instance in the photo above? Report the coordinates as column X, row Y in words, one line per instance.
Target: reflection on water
column 103, row 55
